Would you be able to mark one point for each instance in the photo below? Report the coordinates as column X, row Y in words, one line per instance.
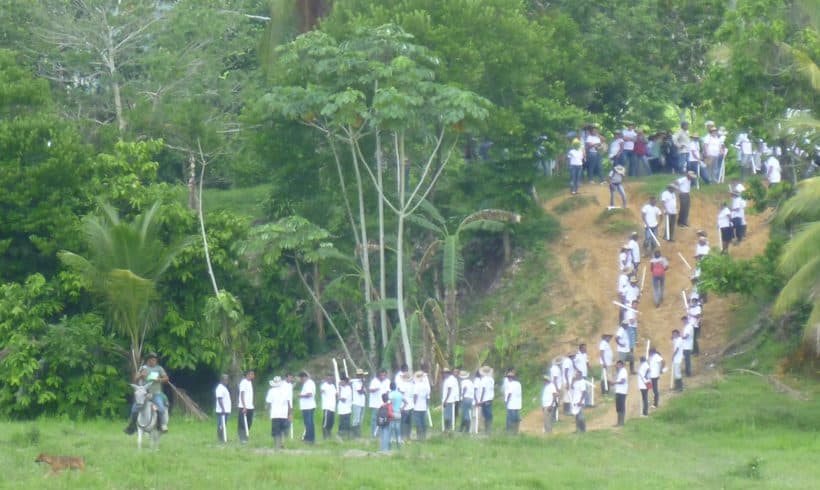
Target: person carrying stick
column 549, row 402
column 670, row 207
column 245, row 406
column 651, row 214
column 223, row 408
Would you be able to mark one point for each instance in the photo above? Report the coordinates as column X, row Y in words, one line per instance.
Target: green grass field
column 737, row 433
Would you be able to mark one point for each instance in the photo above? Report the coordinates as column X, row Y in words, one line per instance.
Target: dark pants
column 620, row 406
column 687, row 362
column 420, row 421
column 487, row 414
column 240, row 424
column 574, row 177
column 657, row 289
column 580, row 421
column 739, row 228
column 406, row 424
column 644, row 401
column 670, row 228
column 683, row 212
column 656, row 383
column 594, row 166
column 328, row 417
column 695, row 347
column 513, row 420
column 310, row 432
column 278, row 428
column 344, row 426
column 222, row 426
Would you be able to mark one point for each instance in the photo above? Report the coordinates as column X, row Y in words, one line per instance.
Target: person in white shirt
column 593, row 145
column 712, row 150
column 738, row 215
column 359, row 401
column 307, row 405
column 688, row 340
column 745, row 154
column 345, row 407
column 406, row 389
column 568, row 374
column 486, row 396
column 582, row 364
column 605, row 358
column 634, row 250
column 575, row 157
column 772, row 168
column 622, row 346
column 513, row 401
column 677, row 360
column 644, row 383
column 694, row 313
column 624, row 257
column 656, row 367
column 702, row 247
column 670, row 208
column 245, row 406
column 280, row 408
column 681, row 141
column 623, row 282
column 329, row 393
column 223, row 408
column 616, row 184
column 578, row 396
column 421, row 396
column 403, row 370
column 621, row 389
column 724, row 222
column 650, row 214
column 629, row 136
column 467, row 389
column 450, row 395
column 375, row 393
column 549, row 402
column 684, row 185
column 287, row 388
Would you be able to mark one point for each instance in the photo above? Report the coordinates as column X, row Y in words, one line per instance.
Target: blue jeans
column 449, row 416
column 395, row 432
column 384, row 433
column 620, row 189
column 487, row 414
column 513, row 419
column 657, row 289
column 687, row 362
column 683, row 160
column 307, row 418
column 466, row 414
column 374, row 429
column 631, row 162
column 420, row 421
column 221, row 425
column 648, row 241
column 594, row 166
column 356, row 416
column 574, row 177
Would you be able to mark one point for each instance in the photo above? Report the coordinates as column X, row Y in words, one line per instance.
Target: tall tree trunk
column 111, row 64
column 451, row 319
column 405, row 337
column 382, row 264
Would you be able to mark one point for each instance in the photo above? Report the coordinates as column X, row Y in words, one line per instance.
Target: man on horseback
column 151, row 375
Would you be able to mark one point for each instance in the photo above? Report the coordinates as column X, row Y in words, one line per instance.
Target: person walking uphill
column 651, row 215
column 658, row 265
column 245, row 406
column 670, row 208
column 616, row 184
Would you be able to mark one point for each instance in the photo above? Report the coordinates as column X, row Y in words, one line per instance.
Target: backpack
column 658, row 269
column 383, row 416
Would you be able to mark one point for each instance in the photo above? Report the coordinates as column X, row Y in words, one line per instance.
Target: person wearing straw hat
column 669, row 200
column 358, row 403
column 578, row 396
column 702, row 247
column 644, row 383
column 421, row 397
column 624, row 257
column 345, row 406
column 486, row 396
column 621, row 389
column 329, row 393
column 513, row 402
column 245, row 406
column 223, row 408
column 406, row 388
column 738, row 215
column 616, row 184
column 549, row 401
column 450, row 395
column 280, row 408
column 635, row 250
column 684, row 185
column 307, row 404
column 656, row 367
column 605, row 358
column 467, row 390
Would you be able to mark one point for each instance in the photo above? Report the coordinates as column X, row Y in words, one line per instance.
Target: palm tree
column 451, row 247
column 800, row 262
column 123, row 264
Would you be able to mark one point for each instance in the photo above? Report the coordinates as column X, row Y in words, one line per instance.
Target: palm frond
column 429, row 256
column 804, row 205
column 453, row 263
column 802, row 286
column 491, row 215
column 800, row 249
column 432, row 211
column 425, row 223
column 484, row 225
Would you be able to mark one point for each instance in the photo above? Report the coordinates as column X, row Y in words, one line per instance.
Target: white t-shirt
column 592, row 142
column 655, row 361
column 567, row 370
column 623, row 284
column 643, row 375
column 357, row 385
column 575, row 157
column 650, row 215
column 408, row 395
column 579, row 386
column 712, row 145
column 277, row 400
column 636, row 250
column 309, row 391
column 450, row 383
column 621, row 388
column 581, row 360
column 677, row 350
column 724, row 218
column 421, row 392
column 633, row 292
column 615, row 147
column 688, row 336
column 487, row 389
column 670, row 202
column 375, row 393
column 622, row 339
column 246, row 391
column 513, row 395
column 223, row 393
column 694, row 313
column 702, row 249
column 548, row 395
column 555, row 375
column 739, row 209
column 629, row 139
column 684, row 184
column 345, row 400
column 694, row 151
column 467, row 389
column 773, row 170
column 604, row 353
column 328, row 396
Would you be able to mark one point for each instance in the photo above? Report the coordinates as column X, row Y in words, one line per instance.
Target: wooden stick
column 668, row 237
column 190, row 406
column 643, row 277
column 647, row 349
column 720, row 235
column 684, row 261
column 624, row 306
column 685, row 302
column 344, row 363
column 652, row 234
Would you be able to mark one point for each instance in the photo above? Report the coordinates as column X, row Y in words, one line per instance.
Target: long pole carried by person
column 344, row 363
column 654, row 238
column 720, row 235
column 245, row 420
column 643, row 277
column 685, row 302
column 336, row 372
column 684, row 261
column 604, row 377
column 626, row 307
column 224, row 428
column 647, row 349
column 668, row 237
column 453, row 417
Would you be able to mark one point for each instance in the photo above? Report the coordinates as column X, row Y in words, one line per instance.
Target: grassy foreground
column 737, row 433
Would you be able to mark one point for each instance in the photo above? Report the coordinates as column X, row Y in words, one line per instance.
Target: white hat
column 486, row 370
column 275, row 382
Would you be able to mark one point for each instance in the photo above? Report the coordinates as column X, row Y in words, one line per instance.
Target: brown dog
column 60, row 463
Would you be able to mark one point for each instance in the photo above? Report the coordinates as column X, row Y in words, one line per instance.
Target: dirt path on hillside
column 589, row 273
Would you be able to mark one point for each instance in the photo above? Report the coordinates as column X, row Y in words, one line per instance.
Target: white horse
column 147, row 416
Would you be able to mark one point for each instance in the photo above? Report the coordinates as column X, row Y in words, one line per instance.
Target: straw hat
column 485, row 371
column 690, row 173
column 361, row 372
column 633, row 280
column 464, row 374
column 419, row 375
column 276, row 382
column 406, row 376
column 619, row 169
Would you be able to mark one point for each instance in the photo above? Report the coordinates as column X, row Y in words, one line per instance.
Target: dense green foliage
column 351, row 136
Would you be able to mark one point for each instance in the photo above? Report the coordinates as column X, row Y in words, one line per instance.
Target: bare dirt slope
column 587, row 254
